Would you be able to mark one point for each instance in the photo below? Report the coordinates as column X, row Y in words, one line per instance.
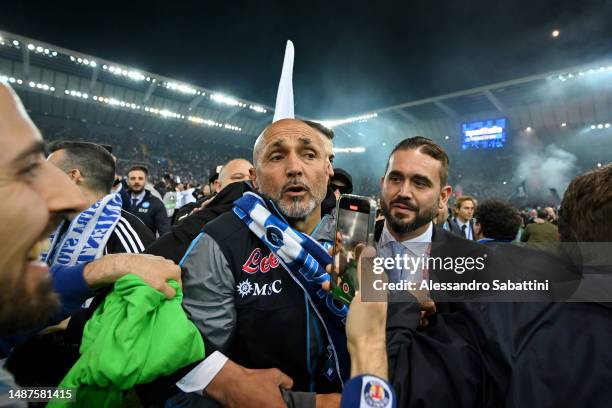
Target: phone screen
column 354, row 226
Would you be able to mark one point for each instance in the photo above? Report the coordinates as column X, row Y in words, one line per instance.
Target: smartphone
column 356, row 217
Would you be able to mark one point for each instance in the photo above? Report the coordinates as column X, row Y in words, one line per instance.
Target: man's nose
column 405, row 190
column 294, row 166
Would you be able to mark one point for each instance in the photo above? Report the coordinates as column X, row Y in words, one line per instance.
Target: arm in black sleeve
column 161, row 218
column 440, row 366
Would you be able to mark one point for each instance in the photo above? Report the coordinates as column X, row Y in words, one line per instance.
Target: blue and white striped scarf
column 305, row 260
column 86, row 237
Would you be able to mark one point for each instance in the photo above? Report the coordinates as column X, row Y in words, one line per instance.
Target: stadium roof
column 577, row 97
column 67, row 84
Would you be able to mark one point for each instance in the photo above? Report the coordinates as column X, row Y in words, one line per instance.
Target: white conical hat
column 284, row 96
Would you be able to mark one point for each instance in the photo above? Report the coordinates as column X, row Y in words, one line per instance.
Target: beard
column 298, row 208
column 137, row 190
column 26, row 301
column 402, row 226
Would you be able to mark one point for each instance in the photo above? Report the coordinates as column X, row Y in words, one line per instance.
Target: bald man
column 233, row 171
column 241, row 297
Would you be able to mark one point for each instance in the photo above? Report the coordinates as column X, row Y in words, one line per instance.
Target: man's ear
column 217, row 185
column 253, row 175
column 76, row 176
column 445, row 194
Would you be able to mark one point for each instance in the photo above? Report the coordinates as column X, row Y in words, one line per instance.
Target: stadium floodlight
column 38, row 85
column 258, row 108
column 599, row 164
column 338, row 122
column 183, row 88
column 10, row 79
column 132, row 74
column 563, row 124
column 76, row 94
column 212, row 123
column 40, row 50
column 555, row 33
column 16, row 43
column 227, row 100
column 607, row 125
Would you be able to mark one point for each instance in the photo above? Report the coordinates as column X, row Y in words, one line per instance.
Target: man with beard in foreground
column 35, row 197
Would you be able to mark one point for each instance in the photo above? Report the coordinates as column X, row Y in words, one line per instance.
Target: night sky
column 351, row 57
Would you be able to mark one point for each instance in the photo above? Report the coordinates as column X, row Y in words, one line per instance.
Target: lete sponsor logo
column 257, row 263
column 246, row 288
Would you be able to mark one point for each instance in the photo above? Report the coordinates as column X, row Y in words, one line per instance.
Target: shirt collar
column 386, row 236
column 460, row 223
column 139, row 196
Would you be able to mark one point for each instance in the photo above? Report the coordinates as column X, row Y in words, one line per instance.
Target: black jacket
column 152, row 212
column 174, row 243
column 498, row 354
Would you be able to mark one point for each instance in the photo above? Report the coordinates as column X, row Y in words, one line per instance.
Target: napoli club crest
column 146, row 204
column 376, row 394
column 274, row 236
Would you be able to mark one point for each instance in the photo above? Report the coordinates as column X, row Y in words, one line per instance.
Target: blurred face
column 35, row 196
column 293, row 168
column 233, row 172
column 466, row 211
column 411, row 193
column 338, row 187
column 137, row 180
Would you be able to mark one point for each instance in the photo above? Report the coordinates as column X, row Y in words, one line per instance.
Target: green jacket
column 135, row 336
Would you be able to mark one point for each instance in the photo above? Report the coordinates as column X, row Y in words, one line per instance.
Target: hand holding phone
column 356, row 216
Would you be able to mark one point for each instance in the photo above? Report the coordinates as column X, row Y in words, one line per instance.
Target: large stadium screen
column 487, row 134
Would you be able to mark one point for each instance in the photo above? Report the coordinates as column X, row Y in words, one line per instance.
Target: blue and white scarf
column 86, row 237
column 305, row 260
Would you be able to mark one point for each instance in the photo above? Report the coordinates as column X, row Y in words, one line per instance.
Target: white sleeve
column 202, row 374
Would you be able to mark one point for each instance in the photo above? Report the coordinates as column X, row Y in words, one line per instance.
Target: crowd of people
column 215, row 290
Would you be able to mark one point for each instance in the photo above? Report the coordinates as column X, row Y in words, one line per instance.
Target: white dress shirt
column 389, row 247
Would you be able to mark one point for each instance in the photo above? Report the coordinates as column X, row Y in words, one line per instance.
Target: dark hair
column 498, row 220
column 317, row 126
column 94, row 162
column 586, row 209
column 428, row 147
column 542, row 214
column 139, row 168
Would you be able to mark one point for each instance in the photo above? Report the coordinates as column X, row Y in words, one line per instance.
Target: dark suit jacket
column 458, row 228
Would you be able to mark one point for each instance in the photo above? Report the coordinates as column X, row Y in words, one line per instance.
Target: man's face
column 466, row 211
column 137, row 180
column 233, row 172
column 293, row 167
column 35, row 196
column 411, row 191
